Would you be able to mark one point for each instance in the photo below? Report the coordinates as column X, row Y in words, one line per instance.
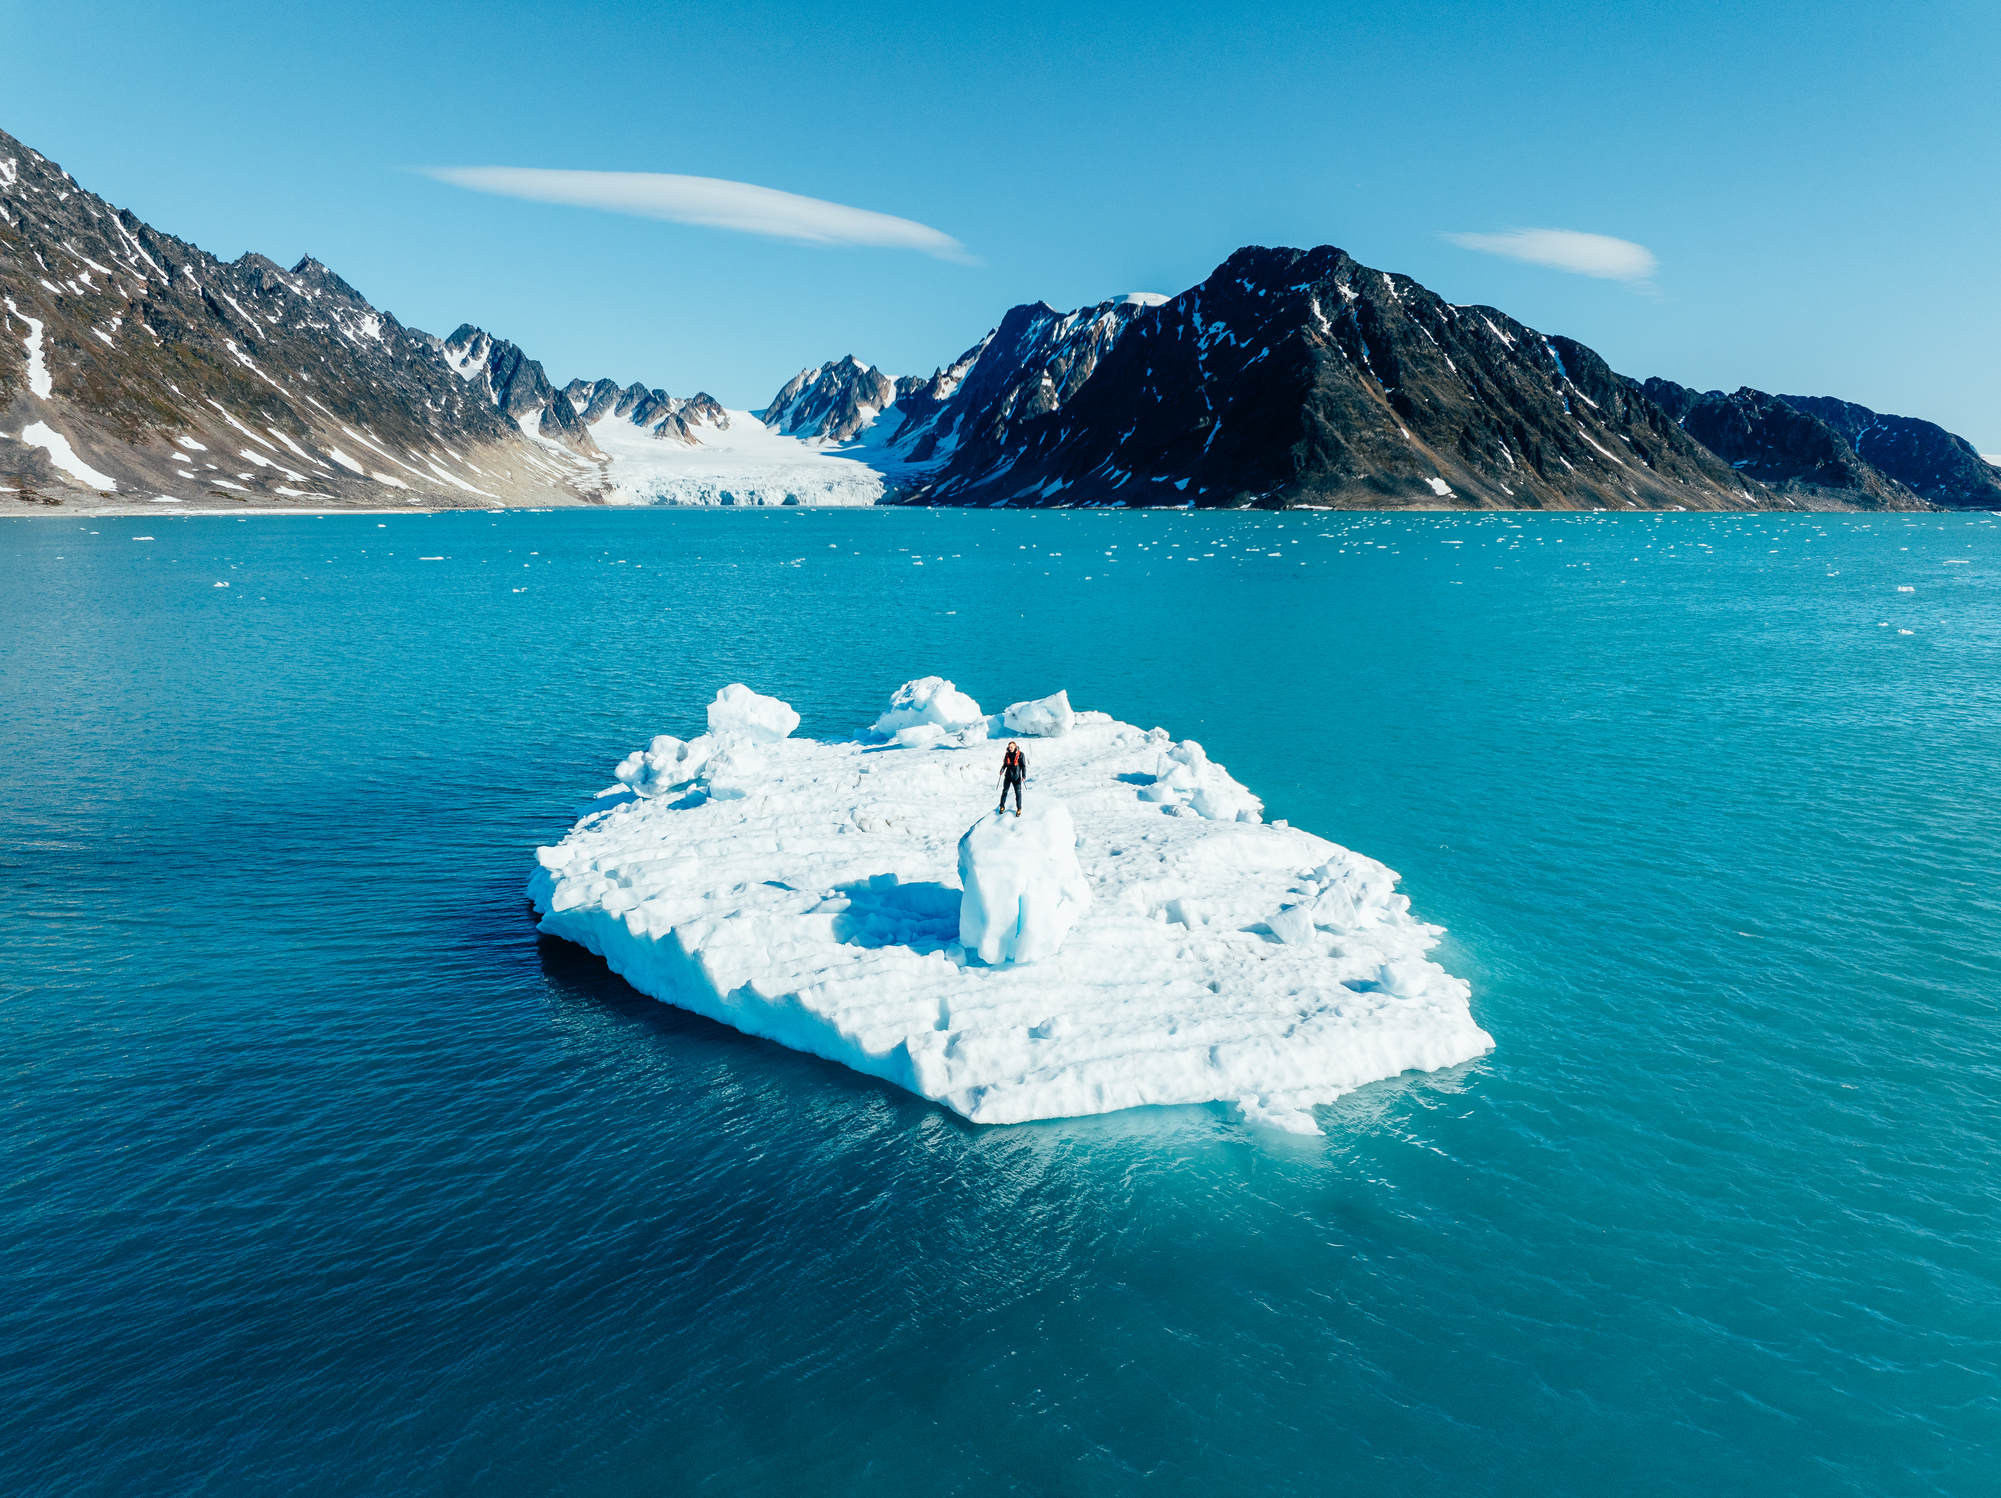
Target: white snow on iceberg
column 814, row 893
column 924, row 711
column 1022, row 887
column 1046, row 717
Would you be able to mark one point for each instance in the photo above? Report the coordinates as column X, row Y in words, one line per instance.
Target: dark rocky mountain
column 516, row 384
column 676, row 419
column 833, row 403
column 1924, row 457
column 135, row 365
column 973, row 416
column 1025, row 368
column 1778, row 444
column 1303, row 377
column 1833, row 451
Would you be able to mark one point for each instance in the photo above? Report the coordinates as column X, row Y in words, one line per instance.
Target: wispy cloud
column 1567, row 249
column 711, row 202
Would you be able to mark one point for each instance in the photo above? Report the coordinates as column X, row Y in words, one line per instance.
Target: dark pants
column 1012, row 783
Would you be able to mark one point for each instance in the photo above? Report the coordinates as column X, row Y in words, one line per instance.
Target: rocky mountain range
column 836, row 402
column 137, row 368
column 1921, row 455
column 137, row 365
column 1832, row 451
column 680, row 419
column 1304, row 377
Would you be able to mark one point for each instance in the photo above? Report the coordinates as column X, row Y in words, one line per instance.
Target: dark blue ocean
column 323, row 1174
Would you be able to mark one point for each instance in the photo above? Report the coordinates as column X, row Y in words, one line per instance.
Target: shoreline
column 160, row 511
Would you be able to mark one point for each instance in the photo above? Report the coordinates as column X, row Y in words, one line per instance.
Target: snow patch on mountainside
column 38, row 369
column 41, row 434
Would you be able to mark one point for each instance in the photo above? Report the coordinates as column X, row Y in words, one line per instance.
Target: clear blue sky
column 1816, row 181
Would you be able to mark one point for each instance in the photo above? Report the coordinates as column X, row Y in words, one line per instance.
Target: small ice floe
column 1139, row 935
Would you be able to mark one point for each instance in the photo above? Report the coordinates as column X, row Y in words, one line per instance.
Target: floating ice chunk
column 1187, row 782
column 1278, row 1111
column 822, row 908
column 739, row 710
column 1023, row 888
column 929, row 701
column 1045, row 717
column 725, row 758
column 666, row 764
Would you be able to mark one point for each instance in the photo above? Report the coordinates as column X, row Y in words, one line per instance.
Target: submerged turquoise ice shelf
column 325, row 1175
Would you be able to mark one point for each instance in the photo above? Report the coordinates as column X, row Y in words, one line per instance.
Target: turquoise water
column 325, row 1175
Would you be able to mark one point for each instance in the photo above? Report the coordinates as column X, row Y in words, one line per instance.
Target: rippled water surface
column 325, row 1175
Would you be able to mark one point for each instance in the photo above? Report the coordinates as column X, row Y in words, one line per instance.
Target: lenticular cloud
column 1567, row 249
column 711, row 202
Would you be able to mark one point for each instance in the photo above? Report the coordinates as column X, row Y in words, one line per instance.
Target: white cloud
column 710, row 202
column 1567, row 249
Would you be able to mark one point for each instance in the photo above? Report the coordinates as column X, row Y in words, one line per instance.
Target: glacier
column 738, row 461
column 1143, row 936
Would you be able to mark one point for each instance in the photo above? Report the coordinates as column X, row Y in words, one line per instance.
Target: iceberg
column 1140, row 936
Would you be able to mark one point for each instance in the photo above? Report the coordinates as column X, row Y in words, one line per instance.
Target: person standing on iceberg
column 1014, row 770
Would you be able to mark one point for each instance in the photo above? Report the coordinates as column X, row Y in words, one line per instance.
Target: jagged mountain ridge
column 133, row 364
column 517, row 385
column 834, row 403
column 1298, row 377
column 1396, row 398
column 1028, row 366
column 655, row 411
column 1785, row 448
column 1921, row 455
column 136, row 365
column 1838, row 449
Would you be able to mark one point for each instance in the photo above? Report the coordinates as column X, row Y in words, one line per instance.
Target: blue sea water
column 325, row 1175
